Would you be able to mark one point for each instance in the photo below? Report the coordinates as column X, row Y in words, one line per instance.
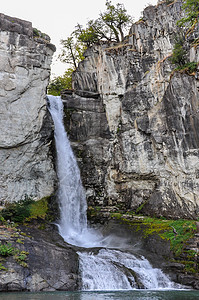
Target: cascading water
column 72, row 200
column 110, row 269
column 100, row 269
column 71, row 194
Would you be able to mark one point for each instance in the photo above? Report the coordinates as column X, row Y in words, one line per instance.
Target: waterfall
column 71, row 195
column 100, row 269
column 109, row 269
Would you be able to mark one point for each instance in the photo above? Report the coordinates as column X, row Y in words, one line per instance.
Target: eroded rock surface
column 49, row 264
column 26, row 162
column 137, row 139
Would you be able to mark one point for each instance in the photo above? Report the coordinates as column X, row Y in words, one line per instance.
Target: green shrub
column 6, row 249
column 189, row 67
column 17, row 211
column 178, row 57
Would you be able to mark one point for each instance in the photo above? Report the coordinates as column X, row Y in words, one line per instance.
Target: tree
column 60, row 83
column 72, row 51
column 110, row 26
column 191, row 8
column 116, row 18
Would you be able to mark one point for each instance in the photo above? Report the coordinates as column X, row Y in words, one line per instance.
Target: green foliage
column 72, row 51
column 6, row 249
column 178, row 232
column 38, row 34
column 17, row 211
column 189, row 67
column 39, row 208
column 179, row 54
column 60, row 83
column 2, row 220
column 191, row 8
column 92, row 34
column 21, row 257
column 2, row 268
column 110, row 26
column 116, row 19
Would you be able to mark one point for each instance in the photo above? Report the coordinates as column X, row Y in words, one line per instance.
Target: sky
column 58, row 18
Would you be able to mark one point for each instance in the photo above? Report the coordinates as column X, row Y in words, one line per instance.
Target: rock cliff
column 133, row 122
column 26, row 164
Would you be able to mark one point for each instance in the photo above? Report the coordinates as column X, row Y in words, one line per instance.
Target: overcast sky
column 58, row 18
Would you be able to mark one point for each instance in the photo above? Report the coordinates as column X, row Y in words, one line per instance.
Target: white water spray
column 106, row 269
column 109, row 269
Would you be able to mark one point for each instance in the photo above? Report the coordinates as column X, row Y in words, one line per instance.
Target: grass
column 178, row 232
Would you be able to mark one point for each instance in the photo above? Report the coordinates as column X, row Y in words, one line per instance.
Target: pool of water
column 100, row 295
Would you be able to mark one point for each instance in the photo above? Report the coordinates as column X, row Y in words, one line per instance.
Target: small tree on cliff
column 72, row 51
column 110, row 26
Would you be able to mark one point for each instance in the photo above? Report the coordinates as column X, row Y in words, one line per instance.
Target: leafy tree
column 191, row 8
column 92, row 34
column 110, row 26
column 116, row 18
column 72, row 52
column 60, row 83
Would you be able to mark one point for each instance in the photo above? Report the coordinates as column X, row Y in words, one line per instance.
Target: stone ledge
column 15, row 25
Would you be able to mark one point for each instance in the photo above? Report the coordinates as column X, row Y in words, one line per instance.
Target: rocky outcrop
column 26, row 163
column 40, row 261
column 136, row 140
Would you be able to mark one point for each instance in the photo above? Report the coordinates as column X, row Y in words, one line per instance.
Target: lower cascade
column 111, row 269
column 101, row 267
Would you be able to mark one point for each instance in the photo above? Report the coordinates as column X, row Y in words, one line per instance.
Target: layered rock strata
column 26, row 163
column 134, row 124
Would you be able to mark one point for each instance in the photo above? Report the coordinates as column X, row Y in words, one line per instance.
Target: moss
column 39, row 208
column 177, row 232
column 2, row 268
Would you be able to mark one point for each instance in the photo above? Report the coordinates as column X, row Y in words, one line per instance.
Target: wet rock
column 50, row 265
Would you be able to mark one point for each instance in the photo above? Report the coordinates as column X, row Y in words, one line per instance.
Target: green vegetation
column 21, row 257
column 189, row 67
column 72, row 51
column 6, row 249
column 60, row 83
column 191, row 8
column 111, row 26
column 178, row 233
column 38, row 34
column 24, row 210
column 17, row 211
column 2, row 268
column 39, row 209
column 179, row 53
column 179, row 56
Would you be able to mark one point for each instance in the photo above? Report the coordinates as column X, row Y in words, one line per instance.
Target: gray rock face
column 26, row 163
column 137, row 143
column 50, row 263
